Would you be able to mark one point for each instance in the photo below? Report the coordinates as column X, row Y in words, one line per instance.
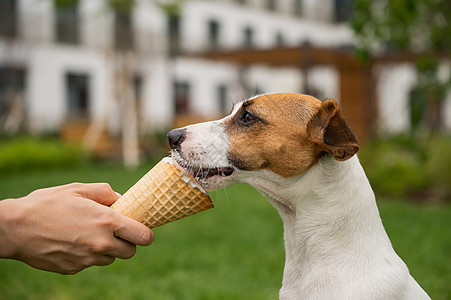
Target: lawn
column 234, row 251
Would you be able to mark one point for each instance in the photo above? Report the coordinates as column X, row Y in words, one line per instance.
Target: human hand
column 68, row 228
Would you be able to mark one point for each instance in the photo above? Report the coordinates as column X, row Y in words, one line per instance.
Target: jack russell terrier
column 300, row 153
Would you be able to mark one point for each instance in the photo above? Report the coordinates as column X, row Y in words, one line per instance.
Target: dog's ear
column 330, row 132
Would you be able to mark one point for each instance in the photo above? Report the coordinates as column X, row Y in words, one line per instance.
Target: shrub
column 438, row 166
column 404, row 166
column 155, row 145
column 30, row 153
column 392, row 168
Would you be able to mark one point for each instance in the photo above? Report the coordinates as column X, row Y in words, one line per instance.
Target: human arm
column 67, row 228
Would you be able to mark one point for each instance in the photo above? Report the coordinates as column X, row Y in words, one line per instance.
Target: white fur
column 336, row 246
column 205, row 146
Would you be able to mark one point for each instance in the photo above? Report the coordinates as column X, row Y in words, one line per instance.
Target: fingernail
column 119, row 195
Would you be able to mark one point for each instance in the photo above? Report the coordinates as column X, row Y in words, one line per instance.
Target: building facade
column 85, row 60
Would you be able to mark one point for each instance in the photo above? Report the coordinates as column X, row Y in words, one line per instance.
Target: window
column 123, row 29
column 12, row 82
column 222, row 98
column 182, row 97
column 271, row 5
column 280, row 40
column 248, row 37
column 174, row 34
column 298, row 11
column 137, row 87
column 213, row 34
column 8, row 18
column 343, row 10
column 77, row 95
column 67, row 21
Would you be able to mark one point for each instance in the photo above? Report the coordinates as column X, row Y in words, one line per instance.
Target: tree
column 422, row 27
column 125, row 58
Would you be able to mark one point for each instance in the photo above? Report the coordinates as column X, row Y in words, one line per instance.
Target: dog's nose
column 176, row 137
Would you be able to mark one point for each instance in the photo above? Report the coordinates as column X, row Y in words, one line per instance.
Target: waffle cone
column 165, row 194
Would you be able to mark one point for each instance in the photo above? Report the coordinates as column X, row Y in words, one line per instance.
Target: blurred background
column 90, row 86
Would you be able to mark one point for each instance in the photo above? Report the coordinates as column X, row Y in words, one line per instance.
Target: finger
column 99, row 192
column 104, row 260
column 132, row 231
column 122, row 249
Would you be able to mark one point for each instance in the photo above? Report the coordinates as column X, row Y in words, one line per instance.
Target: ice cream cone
column 165, row 194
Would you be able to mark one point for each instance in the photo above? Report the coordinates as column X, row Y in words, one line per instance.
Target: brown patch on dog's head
column 287, row 133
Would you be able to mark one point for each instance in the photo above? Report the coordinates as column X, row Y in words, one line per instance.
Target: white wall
column 233, row 19
column 394, row 83
column 96, row 26
column 47, row 86
column 36, row 21
column 318, row 9
column 274, row 80
column 325, row 80
column 150, row 25
column 157, row 106
column 204, row 78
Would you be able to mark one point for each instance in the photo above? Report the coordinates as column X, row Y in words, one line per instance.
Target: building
column 92, row 62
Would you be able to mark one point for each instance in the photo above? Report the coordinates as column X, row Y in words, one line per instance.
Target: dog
column 301, row 154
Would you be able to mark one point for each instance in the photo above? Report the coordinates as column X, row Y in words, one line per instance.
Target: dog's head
column 284, row 134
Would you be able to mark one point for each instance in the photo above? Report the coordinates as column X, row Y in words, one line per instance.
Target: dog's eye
column 247, row 118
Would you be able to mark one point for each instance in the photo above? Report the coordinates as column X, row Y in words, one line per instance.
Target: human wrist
column 8, row 220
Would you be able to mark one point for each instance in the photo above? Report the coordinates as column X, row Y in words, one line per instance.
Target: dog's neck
column 338, row 192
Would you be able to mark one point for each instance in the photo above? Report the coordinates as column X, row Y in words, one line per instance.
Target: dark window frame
column 12, row 79
column 78, row 95
column 249, row 37
column 214, row 31
column 67, row 23
column 182, row 97
column 174, row 34
column 9, row 19
column 342, row 11
column 124, row 35
column 298, row 8
column 271, row 5
column 222, row 93
column 280, row 39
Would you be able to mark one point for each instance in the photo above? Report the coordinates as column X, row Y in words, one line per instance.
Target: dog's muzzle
column 192, row 161
column 175, row 138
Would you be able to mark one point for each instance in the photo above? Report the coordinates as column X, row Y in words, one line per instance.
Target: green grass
column 234, row 251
